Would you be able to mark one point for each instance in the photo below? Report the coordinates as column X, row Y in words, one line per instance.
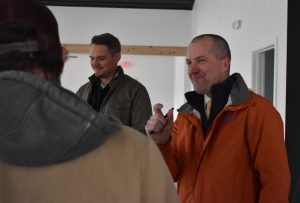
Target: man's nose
column 194, row 67
column 93, row 62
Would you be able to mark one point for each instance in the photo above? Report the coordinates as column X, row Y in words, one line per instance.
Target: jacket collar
column 119, row 72
column 234, row 87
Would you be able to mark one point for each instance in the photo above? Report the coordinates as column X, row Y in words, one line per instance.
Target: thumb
column 170, row 114
column 157, row 108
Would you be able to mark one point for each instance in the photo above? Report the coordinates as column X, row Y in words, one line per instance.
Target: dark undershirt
column 97, row 93
column 220, row 94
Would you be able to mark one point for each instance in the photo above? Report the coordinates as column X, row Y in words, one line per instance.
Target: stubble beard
column 201, row 87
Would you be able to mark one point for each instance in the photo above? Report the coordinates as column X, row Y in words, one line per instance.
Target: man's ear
column 226, row 65
column 117, row 57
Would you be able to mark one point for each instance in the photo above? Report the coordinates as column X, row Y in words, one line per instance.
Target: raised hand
column 159, row 127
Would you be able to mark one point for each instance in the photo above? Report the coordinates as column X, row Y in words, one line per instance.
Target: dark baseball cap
column 35, row 15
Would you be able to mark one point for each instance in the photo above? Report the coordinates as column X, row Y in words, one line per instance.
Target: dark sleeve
column 141, row 109
column 83, row 91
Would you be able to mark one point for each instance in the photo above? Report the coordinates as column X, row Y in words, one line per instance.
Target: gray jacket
column 127, row 99
column 38, row 117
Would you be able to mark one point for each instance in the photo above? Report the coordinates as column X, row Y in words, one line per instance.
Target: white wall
column 157, row 74
column 263, row 21
column 132, row 27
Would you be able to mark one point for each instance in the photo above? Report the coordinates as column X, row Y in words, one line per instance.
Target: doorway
column 264, row 72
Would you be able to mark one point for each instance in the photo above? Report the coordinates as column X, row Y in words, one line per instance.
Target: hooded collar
column 45, row 124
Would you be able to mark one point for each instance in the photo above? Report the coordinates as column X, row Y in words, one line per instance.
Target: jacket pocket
column 122, row 110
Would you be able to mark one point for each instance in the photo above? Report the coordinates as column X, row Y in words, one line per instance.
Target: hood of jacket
column 42, row 123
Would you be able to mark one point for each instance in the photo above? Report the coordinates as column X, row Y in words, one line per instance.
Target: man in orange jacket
column 236, row 153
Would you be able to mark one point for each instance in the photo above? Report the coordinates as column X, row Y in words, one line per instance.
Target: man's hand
column 158, row 127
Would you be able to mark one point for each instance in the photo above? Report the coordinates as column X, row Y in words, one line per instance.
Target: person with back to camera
column 54, row 147
column 232, row 152
column 109, row 90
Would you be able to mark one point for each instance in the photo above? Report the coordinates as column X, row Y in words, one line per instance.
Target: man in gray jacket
column 53, row 146
column 109, row 90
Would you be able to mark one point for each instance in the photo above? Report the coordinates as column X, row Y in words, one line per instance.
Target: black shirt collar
column 93, row 79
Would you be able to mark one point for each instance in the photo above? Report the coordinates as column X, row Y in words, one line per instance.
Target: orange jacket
column 242, row 160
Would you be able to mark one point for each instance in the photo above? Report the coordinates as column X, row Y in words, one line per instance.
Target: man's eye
column 201, row 61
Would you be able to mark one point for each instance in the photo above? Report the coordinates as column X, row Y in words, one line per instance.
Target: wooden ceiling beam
column 134, row 50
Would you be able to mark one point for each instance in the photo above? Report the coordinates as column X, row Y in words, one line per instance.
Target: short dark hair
column 49, row 61
column 107, row 39
column 220, row 47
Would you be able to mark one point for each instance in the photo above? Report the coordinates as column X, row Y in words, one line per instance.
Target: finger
column 156, row 123
column 169, row 115
column 150, row 125
column 150, row 129
column 157, row 108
